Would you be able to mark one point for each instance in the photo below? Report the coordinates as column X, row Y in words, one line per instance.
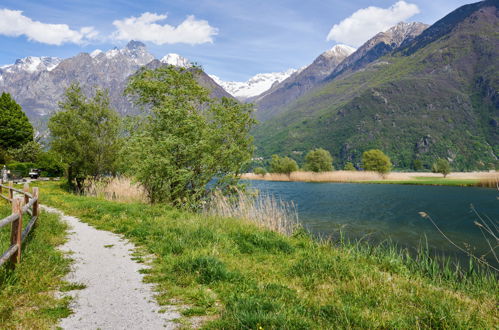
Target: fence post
column 1, row 183
column 16, row 231
column 36, row 209
column 11, row 192
column 26, row 192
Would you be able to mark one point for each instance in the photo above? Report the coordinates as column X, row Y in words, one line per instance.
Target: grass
column 27, row 299
column 240, row 276
column 416, row 178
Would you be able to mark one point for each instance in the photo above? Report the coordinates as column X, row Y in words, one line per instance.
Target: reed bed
column 120, row 189
column 360, row 176
column 264, row 210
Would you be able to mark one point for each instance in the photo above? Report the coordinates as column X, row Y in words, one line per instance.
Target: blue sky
column 230, row 38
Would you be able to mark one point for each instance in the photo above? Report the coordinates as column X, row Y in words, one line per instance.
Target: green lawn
column 242, row 277
column 27, row 298
column 432, row 181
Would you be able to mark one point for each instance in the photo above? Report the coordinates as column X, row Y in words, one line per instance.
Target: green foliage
column 85, row 134
column 260, row 171
column 50, row 164
column 349, row 167
column 375, row 160
column 284, row 165
column 441, row 166
column 19, row 169
column 241, row 276
column 319, row 160
column 417, row 165
column 15, row 128
column 186, row 139
column 28, row 152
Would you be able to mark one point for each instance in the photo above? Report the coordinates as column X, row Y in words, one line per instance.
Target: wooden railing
column 23, row 202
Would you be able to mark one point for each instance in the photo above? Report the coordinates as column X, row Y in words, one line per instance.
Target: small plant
column 260, row 171
column 441, row 166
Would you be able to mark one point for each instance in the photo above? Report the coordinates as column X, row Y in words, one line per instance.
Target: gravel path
column 115, row 296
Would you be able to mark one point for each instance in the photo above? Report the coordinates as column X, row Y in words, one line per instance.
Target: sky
column 233, row 39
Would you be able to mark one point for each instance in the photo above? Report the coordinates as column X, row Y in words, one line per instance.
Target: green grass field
column 239, row 276
column 27, row 299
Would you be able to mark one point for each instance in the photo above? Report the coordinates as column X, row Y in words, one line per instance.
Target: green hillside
column 436, row 98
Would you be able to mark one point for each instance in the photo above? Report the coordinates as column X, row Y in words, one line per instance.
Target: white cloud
column 145, row 28
column 14, row 24
column 367, row 22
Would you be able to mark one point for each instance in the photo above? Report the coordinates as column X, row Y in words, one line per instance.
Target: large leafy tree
column 376, row 160
column 319, row 160
column 185, row 139
column 284, row 165
column 15, row 128
column 85, row 133
column 441, row 166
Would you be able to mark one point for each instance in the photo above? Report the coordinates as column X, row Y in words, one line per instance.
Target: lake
column 376, row 212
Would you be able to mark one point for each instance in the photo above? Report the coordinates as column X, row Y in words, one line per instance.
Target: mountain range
column 416, row 92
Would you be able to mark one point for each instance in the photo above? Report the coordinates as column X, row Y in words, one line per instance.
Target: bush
column 283, row 165
column 375, row 160
column 349, row 167
column 319, row 160
column 260, row 171
column 50, row 164
column 18, row 169
column 441, row 166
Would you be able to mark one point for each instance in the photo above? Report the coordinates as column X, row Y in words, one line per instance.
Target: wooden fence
column 23, row 202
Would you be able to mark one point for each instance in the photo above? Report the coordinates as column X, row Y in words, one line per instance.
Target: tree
column 376, row 160
column 417, row 165
column 349, row 167
column 85, row 135
column 319, row 160
column 28, row 152
column 441, row 166
column 260, row 171
column 15, row 128
column 283, row 165
column 186, row 139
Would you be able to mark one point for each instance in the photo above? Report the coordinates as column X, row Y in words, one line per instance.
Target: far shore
column 486, row 179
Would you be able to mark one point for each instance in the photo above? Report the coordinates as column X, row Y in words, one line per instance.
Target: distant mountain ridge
column 38, row 83
column 434, row 96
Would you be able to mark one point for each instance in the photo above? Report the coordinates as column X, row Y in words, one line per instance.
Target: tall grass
column 120, row 189
column 263, row 209
column 360, row 176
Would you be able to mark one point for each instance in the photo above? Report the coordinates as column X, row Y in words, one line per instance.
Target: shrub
column 283, row 165
column 349, row 167
column 260, row 171
column 375, row 160
column 319, row 160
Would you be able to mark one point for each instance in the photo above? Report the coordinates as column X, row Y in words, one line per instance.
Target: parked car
column 34, row 173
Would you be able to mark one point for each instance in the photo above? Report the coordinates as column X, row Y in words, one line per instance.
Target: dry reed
column 359, row 176
column 265, row 210
column 120, row 189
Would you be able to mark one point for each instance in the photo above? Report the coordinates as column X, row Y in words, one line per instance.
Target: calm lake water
column 385, row 211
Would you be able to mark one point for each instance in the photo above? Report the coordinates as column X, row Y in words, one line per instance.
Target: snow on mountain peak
column 256, row 85
column 33, row 64
column 95, row 53
column 340, row 50
column 176, row 60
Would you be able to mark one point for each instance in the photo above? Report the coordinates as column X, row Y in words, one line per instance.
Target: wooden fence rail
column 22, row 203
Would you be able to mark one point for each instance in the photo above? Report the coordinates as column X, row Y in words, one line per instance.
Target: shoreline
column 462, row 179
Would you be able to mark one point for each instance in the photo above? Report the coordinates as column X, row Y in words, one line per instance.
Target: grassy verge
column 239, row 276
column 431, row 181
column 27, row 299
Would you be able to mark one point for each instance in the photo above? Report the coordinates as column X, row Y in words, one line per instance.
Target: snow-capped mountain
column 256, row 85
column 32, row 64
column 39, row 83
column 177, row 60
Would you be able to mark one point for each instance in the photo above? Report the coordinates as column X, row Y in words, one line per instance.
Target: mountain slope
column 271, row 102
column 440, row 100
